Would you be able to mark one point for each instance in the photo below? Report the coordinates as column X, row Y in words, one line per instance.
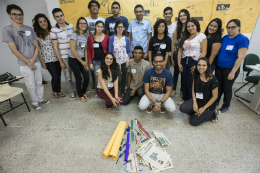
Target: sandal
column 109, row 109
column 55, row 95
column 173, row 93
column 86, row 97
column 61, row 94
column 83, row 100
column 215, row 119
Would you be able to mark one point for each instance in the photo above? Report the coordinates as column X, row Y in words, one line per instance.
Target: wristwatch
column 161, row 102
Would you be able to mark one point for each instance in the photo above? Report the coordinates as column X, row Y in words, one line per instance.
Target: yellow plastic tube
column 111, row 142
column 117, row 142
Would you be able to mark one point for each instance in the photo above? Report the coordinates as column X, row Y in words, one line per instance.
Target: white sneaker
column 37, row 107
column 72, row 96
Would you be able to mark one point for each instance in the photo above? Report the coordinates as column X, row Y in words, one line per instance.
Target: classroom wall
column 32, row 7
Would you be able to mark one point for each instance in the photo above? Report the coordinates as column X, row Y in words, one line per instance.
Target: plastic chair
column 6, row 93
column 250, row 59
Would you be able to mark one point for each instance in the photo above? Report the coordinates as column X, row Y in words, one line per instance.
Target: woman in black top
column 214, row 37
column 202, row 106
column 160, row 43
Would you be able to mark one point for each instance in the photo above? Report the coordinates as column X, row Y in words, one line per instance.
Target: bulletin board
column 204, row 10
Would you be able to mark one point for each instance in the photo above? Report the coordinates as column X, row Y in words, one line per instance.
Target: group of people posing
column 126, row 60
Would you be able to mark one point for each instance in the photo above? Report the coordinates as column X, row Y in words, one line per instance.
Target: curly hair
column 179, row 23
column 186, row 32
column 113, row 68
column 208, row 72
column 41, row 33
column 77, row 26
column 156, row 26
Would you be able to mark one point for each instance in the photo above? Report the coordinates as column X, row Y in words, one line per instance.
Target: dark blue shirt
column 229, row 50
column 110, row 24
column 158, row 82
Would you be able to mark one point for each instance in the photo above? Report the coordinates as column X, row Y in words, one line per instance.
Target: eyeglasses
column 183, row 15
column 17, row 15
column 120, row 27
column 232, row 27
column 156, row 62
column 83, row 23
column 43, row 21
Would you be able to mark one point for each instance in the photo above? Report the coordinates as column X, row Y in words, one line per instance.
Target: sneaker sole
column 149, row 112
column 162, row 112
column 72, row 98
column 39, row 108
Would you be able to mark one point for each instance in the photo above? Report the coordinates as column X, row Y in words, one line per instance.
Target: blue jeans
column 96, row 64
column 186, row 76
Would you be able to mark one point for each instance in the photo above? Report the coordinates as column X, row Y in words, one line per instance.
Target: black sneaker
column 45, row 102
column 215, row 119
column 72, row 96
column 37, row 107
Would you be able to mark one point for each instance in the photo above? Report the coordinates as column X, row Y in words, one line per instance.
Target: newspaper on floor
column 161, row 138
column 155, row 157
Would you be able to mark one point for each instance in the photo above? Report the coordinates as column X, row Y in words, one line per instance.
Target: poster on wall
column 245, row 10
column 199, row 9
column 204, row 10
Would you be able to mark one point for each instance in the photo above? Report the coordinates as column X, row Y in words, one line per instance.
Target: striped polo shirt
column 63, row 38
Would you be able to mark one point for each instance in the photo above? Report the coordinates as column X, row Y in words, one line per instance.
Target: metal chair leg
column 238, row 90
column 10, row 103
column 3, row 119
column 26, row 103
column 250, row 89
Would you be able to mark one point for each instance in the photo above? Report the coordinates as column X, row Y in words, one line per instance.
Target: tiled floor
column 70, row 136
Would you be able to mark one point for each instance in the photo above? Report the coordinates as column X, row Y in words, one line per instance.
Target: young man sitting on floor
column 157, row 86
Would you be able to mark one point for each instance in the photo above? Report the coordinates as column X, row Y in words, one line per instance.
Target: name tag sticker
column 134, row 29
column 64, row 36
column 133, row 70
column 83, row 44
column 95, row 45
column 229, row 47
column 116, row 46
column 162, row 46
column 110, row 84
column 199, row 95
column 27, row 33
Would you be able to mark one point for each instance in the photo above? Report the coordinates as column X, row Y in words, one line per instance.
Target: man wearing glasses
column 158, row 83
column 93, row 7
column 111, row 21
column 60, row 38
column 22, row 42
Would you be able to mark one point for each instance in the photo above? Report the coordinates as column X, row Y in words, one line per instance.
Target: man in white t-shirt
column 167, row 14
column 93, row 7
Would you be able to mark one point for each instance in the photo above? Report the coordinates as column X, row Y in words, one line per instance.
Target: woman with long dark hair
column 202, row 106
column 119, row 45
column 231, row 54
column 78, row 60
column 192, row 46
column 160, row 43
column 107, row 87
column 213, row 33
column 183, row 17
column 47, row 56
column 98, row 44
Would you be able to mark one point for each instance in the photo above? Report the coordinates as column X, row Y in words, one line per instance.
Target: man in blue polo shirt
column 111, row 21
column 139, row 31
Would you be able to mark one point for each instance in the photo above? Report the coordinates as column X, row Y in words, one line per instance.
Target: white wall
column 32, row 7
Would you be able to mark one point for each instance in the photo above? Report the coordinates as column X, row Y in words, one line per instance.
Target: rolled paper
column 127, row 146
column 115, row 148
column 110, row 143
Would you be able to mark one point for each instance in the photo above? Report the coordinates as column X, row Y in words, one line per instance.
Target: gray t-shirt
column 81, row 43
column 23, row 39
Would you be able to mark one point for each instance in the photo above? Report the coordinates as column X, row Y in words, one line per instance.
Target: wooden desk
column 256, row 97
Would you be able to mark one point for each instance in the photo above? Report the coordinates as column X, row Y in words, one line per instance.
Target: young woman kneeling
column 107, row 87
column 202, row 106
